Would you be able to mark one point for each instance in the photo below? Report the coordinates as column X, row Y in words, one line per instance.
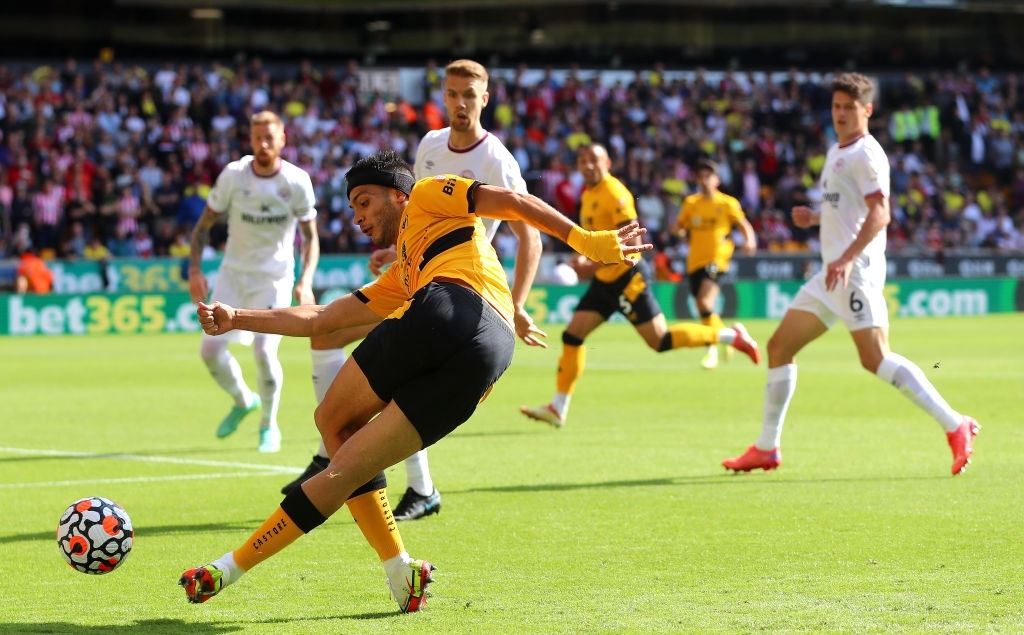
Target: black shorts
column 630, row 294
column 709, row 272
column 439, row 359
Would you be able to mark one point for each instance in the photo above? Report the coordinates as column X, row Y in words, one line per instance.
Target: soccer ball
column 95, row 535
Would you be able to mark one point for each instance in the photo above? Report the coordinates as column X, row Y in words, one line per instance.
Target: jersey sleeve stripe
column 444, row 243
column 469, row 197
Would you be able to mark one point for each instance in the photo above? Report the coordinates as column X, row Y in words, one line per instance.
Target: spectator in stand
column 32, row 275
column 191, row 208
column 48, row 216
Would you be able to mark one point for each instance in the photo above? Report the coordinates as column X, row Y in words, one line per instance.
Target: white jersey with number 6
column 851, row 173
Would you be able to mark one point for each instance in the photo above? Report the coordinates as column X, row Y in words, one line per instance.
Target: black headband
column 369, row 175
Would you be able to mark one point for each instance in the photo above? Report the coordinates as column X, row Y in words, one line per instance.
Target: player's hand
column 198, row 287
column 381, row 258
column 303, row 293
column 610, row 247
column 749, row 248
column 627, row 234
column 216, row 318
column 804, row 216
column 837, row 274
column 527, row 329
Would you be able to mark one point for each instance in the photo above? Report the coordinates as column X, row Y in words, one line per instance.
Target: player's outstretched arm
column 305, row 320
column 528, row 255
column 609, row 247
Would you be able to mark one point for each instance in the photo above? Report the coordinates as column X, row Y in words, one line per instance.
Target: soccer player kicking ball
column 447, row 338
column 853, row 217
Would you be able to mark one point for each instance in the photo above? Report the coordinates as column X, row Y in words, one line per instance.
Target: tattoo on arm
column 200, row 238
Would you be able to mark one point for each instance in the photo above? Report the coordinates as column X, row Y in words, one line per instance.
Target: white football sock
column 910, row 380
column 560, row 402
column 396, row 568
column 226, row 371
column 726, row 336
column 778, row 392
column 231, row 571
column 326, row 364
column 417, row 472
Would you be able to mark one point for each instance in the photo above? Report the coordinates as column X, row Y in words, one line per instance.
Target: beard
column 264, row 159
column 387, row 225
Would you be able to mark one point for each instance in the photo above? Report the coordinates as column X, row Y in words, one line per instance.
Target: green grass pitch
column 622, row 522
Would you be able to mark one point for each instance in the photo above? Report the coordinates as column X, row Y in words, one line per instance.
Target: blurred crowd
column 110, row 159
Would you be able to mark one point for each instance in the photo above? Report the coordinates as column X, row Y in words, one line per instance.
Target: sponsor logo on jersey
column 253, row 219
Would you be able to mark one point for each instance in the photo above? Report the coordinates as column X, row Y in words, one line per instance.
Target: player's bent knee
column 571, row 340
column 212, row 349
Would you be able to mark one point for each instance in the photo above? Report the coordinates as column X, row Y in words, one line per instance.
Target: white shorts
column 859, row 306
column 250, row 291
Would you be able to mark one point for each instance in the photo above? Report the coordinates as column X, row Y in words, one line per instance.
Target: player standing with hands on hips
column 853, row 217
column 445, row 336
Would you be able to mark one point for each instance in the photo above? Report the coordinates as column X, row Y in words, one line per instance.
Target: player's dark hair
column 706, row 164
column 384, row 167
column 855, row 85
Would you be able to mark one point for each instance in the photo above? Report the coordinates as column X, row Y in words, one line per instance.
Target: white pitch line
column 139, row 479
column 277, row 469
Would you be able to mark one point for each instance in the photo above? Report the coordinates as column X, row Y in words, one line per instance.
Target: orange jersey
column 607, row 205
column 708, row 222
column 440, row 237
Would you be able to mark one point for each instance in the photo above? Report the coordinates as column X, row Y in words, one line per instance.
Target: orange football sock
column 687, row 335
column 372, row 513
column 277, row 532
column 570, row 368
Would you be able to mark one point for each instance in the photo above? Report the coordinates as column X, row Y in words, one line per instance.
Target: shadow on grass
column 237, row 527
column 150, row 627
column 90, row 456
column 171, row 627
column 716, row 479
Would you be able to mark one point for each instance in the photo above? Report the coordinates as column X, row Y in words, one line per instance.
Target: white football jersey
column 261, row 215
column 851, row 173
column 487, row 161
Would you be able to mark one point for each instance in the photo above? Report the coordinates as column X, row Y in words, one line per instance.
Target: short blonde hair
column 467, row 68
column 266, row 117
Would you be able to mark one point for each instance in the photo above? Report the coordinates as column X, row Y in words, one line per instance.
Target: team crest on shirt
column 284, row 193
column 838, row 165
column 467, row 174
column 441, row 177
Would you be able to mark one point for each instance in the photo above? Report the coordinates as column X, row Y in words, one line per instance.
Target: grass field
column 622, row 522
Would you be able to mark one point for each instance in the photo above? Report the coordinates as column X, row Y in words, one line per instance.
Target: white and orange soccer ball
column 95, row 535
